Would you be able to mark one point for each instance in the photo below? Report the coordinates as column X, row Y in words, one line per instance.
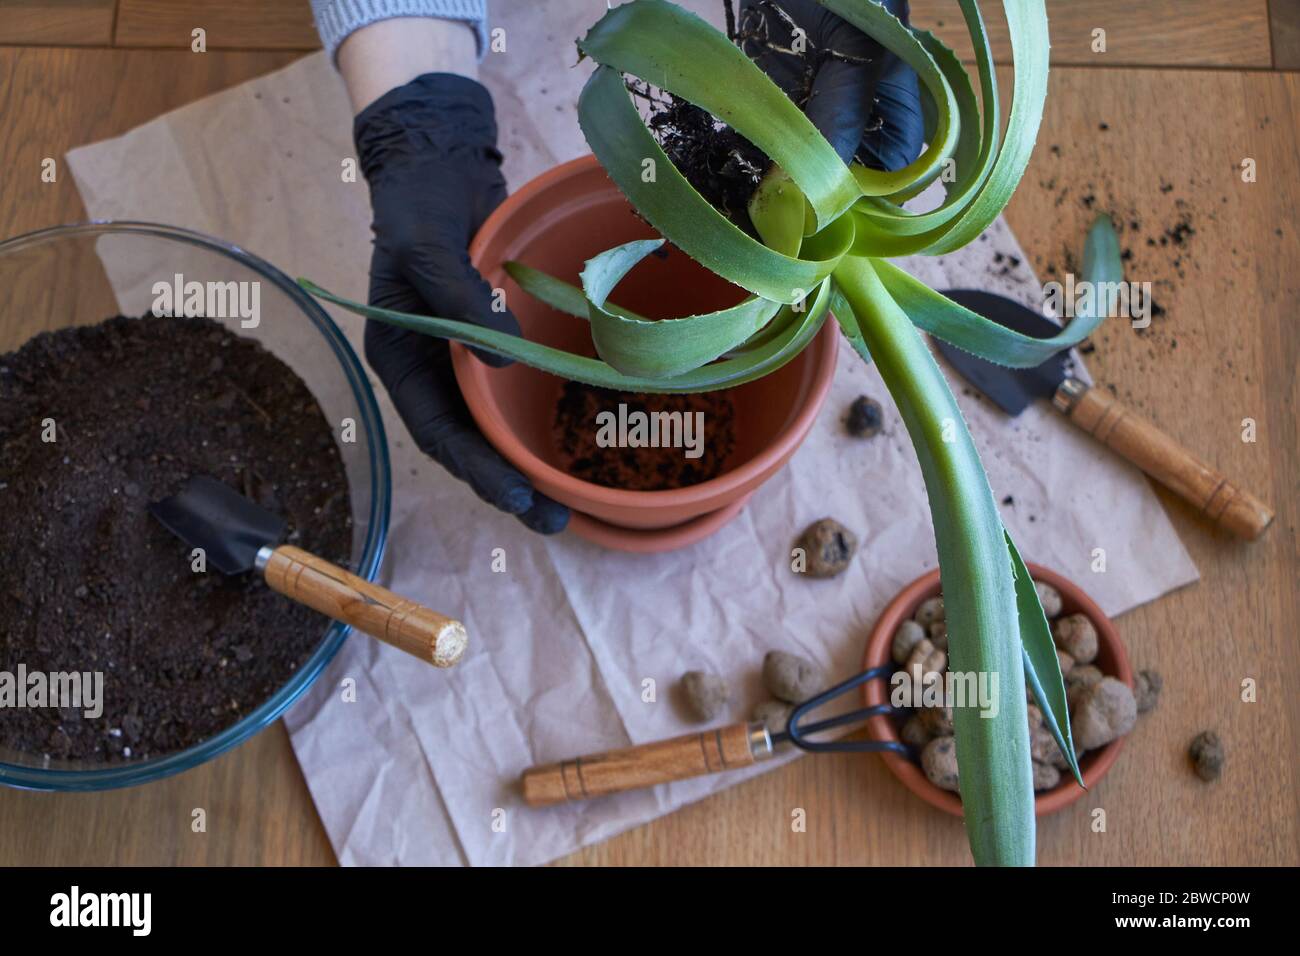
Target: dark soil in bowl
column 89, row 582
column 577, row 431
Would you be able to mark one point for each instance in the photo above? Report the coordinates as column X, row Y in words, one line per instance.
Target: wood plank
column 239, row 24
column 56, row 22
column 257, row 810
column 1284, row 19
column 1156, row 32
column 1148, row 33
column 54, row 99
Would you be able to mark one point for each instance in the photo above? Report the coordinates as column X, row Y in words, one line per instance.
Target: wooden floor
column 1154, row 129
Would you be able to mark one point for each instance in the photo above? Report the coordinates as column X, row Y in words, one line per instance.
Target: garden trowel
column 238, row 536
column 1099, row 414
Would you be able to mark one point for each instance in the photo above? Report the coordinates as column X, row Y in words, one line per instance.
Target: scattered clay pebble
column 706, row 694
column 1035, row 716
column 1077, row 637
column 1066, row 662
column 865, row 418
column 939, row 635
column 937, row 721
column 931, row 610
column 1082, row 676
column 1046, row 776
column 829, row 547
column 791, row 678
column 908, row 635
column 914, row 732
column 1146, row 689
column 1049, row 598
column 1206, row 752
column 939, row 761
column 1105, row 711
column 773, row 714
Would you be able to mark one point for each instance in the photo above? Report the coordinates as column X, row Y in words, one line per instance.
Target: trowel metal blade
column 228, row 527
column 1011, row 389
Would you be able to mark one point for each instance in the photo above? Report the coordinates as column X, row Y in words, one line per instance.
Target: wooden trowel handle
column 631, row 768
column 340, row 594
column 1123, row 430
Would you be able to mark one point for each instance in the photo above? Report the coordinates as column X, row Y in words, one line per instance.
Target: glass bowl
column 84, row 273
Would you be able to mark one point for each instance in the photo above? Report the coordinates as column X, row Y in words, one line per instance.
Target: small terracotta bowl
column 555, row 223
column 1111, row 659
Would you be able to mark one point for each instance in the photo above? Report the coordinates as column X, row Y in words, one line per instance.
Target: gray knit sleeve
column 335, row 19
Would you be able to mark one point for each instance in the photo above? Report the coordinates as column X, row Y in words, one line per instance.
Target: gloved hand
column 865, row 101
column 428, row 151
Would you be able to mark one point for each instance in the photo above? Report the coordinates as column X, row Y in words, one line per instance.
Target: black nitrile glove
column 866, row 102
column 428, row 151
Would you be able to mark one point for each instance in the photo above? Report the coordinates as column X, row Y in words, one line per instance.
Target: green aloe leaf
column 1042, row 666
column 941, row 317
column 1030, row 48
column 677, row 51
column 995, row 773
column 557, row 293
column 728, row 373
column 878, row 23
column 977, row 148
column 629, row 153
column 1103, row 266
column 662, row 349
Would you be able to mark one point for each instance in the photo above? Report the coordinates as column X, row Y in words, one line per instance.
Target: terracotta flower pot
column 555, row 223
column 1112, row 660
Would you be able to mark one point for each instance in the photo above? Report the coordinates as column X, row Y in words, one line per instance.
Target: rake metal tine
column 795, row 733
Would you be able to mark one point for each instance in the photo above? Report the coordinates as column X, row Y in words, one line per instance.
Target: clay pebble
column 865, row 418
column 773, row 714
column 1075, row 635
column 706, row 694
column 937, row 721
column 1046, row 776
column 1147, row 687
column 1049, row 598
column 939, row 761
column 1207, row 755
column 1082, row 676
column 908, row 635
column 914, row 732
column 1105, row 711
column 931, row 610
column 791, row 678
column 828, row 548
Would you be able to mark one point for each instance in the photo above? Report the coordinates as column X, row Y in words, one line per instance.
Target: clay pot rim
column 1095, row 764
column 472, row 377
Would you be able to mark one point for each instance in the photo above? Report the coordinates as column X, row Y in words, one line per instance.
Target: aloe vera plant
column 827, row 232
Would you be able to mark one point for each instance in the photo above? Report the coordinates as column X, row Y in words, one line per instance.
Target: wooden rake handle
column 631, row 768
column 1132, row 436
column 340, row 594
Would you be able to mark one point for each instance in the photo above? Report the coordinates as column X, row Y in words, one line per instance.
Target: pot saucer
column 653, row 540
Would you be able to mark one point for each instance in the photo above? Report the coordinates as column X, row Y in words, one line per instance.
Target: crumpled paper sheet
column 422, row 768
